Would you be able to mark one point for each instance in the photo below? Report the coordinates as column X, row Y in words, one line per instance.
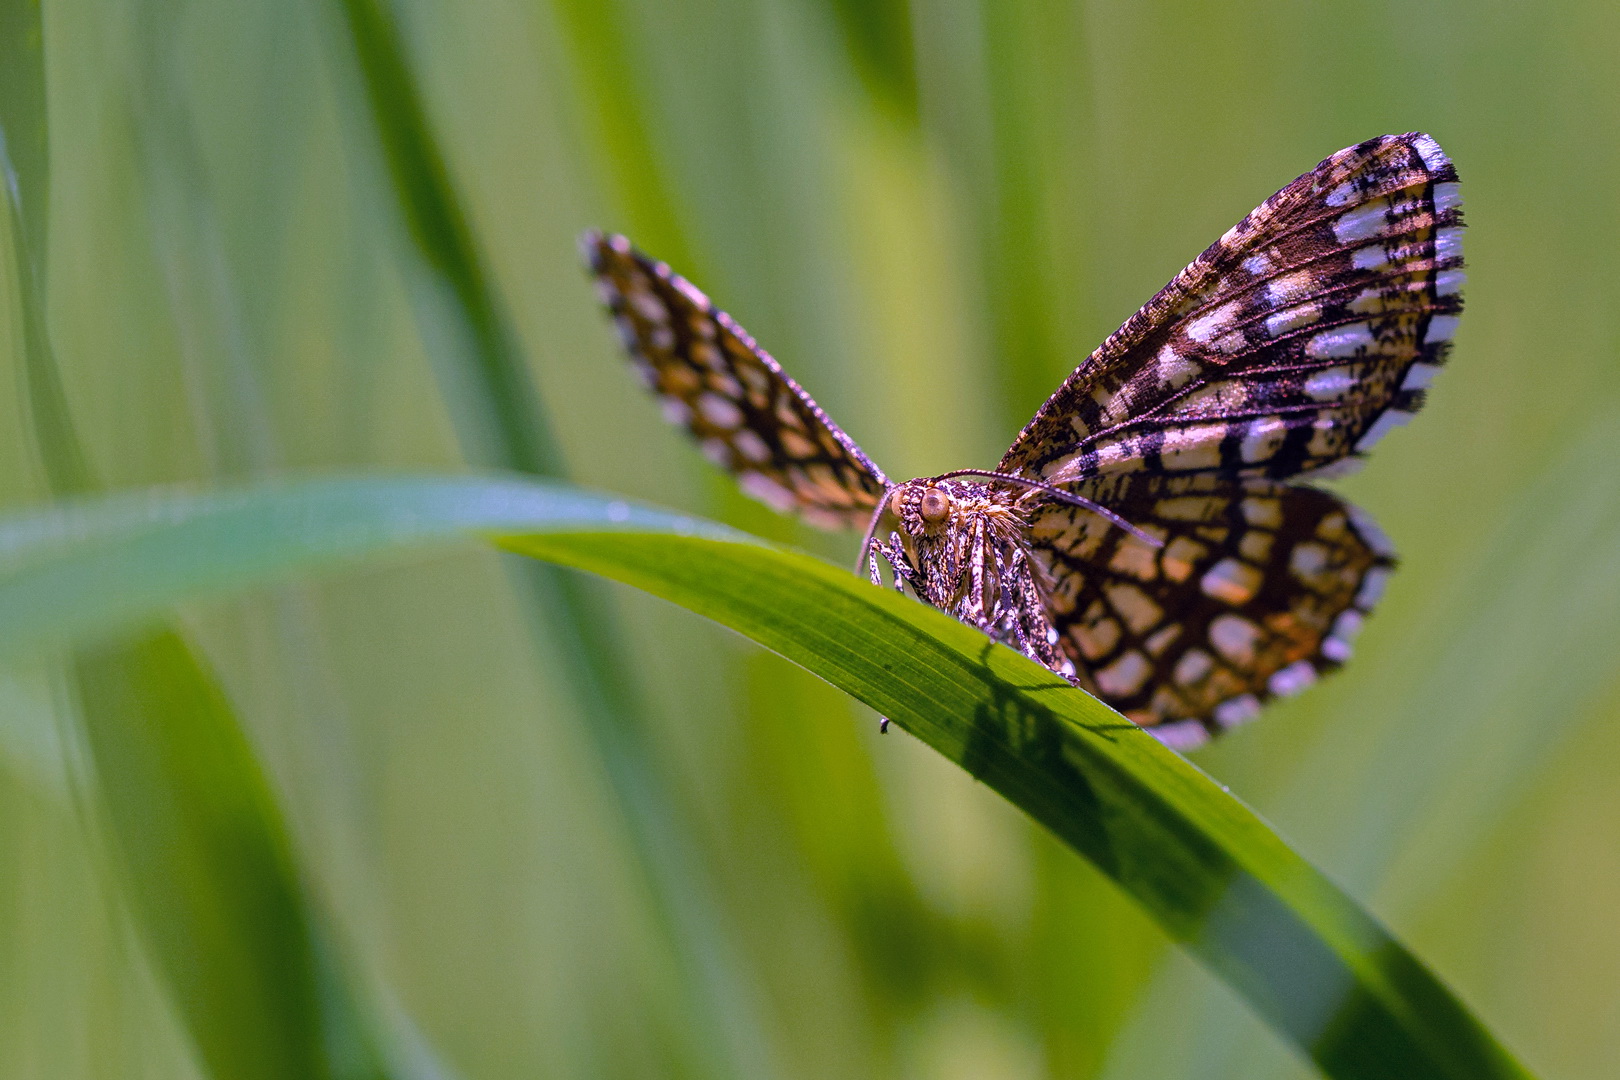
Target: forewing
column 1297, row 339
column 746, row 414
column 1258, row 589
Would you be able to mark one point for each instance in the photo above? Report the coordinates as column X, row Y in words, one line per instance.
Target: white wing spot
column 1449, row 282
column 1258, row 265
column 1239, row 710
column 1255, row 545
column 1340, row 341
column 751, row 446
column 1447, row 197
column 1192, row 667
column 1179, row 556
column 1175, row 370
column 1419, row 376
column 1387, row 421
column 1341, row 194
column 1372, row 587
column 1369, row 531
column 1289, row 288
column 1161, row 639
column 1190, row 448
column 767, row 491
column 1264, row 513
column 1292, row 319
column 1134, row 606
column 719, row 411
column 1441, row 328
column 1448, row 244
column 1361, row 223
column 1292, row 679
column 1124, row 676
column 1231, row 581
column 649, row 307
column 1308, row 560
column 1434, row 158
column 1097, row 640
column 1181, row 735
column 1336, row 646
column 691, row 292
column 1234, row 637
column 1329, row 384
column 675, row 410
column 1207, row 325
column 1371, row 257
column 1263, row 439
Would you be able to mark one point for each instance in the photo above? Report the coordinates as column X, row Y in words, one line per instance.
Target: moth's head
column 923, row 507
column 955, row 539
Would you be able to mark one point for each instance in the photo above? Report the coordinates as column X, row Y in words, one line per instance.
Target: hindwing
column 1258, row 588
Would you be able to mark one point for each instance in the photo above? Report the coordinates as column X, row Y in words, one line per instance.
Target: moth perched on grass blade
column 1146, row 535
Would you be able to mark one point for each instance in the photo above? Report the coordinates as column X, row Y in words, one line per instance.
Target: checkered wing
column 1259, row 587
column 746, row 414
column 1294, row 342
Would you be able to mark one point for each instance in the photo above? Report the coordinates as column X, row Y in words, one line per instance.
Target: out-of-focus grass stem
column 501, row 422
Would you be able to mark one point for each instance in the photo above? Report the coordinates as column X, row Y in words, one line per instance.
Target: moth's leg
column 894, row 552
column 1020, row 636
column 1029, row 613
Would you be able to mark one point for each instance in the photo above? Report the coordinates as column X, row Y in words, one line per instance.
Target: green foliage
column 268, row 239
column 1211, row 873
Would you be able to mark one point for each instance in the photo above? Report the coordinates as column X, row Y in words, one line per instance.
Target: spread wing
column 746, row 414
column 1295, row 341
column 1259, row 588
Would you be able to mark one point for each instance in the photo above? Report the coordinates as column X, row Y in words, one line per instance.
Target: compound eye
column 935, row 506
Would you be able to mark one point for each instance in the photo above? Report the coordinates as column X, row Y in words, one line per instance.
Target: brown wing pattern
column 1295, row 341
column 746, row 414
column 1258, row 589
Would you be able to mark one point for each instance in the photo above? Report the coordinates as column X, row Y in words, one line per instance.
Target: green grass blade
column 1317, row 967
column 501, row 422
column 505, row 426
column 205, row 861
column 24, row 163
column 201, row 847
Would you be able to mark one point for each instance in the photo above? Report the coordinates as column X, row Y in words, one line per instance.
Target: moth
column 1152, row 535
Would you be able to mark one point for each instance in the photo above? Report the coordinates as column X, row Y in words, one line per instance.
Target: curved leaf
column 1321, row 970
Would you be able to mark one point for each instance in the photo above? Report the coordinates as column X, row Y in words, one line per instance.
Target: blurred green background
column 930, row 212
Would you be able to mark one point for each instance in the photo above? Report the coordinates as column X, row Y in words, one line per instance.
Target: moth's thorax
column 963, row 547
